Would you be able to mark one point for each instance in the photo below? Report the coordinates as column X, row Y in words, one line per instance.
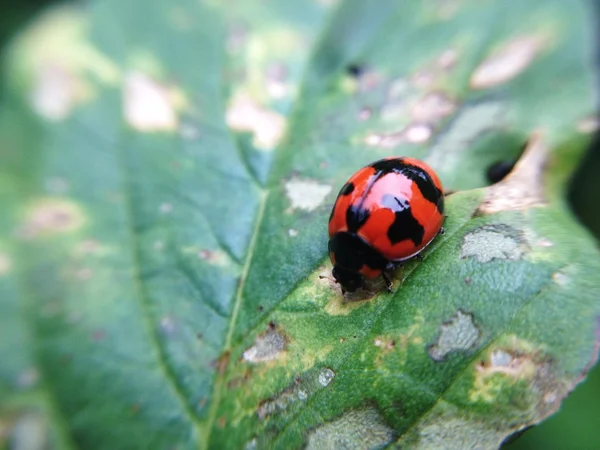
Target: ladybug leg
column 388, row 282
column 442, row 231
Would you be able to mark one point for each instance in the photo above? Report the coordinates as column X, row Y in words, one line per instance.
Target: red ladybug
column 387, row 212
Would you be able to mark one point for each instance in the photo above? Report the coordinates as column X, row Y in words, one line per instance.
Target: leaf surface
column 168, row 170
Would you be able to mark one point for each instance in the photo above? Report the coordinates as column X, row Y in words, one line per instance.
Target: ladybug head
column 348, row 279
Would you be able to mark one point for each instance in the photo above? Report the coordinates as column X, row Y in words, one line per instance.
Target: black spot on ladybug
column 354, row 252
column 356, row 217
column 499, row 170
column 426, row 186
column 347, row 189
column 355, row 70
column 387, row 165
column 405, row 226
column 415, row 174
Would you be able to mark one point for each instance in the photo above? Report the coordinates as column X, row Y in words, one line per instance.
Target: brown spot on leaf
column 223, row 362
column 236, row 382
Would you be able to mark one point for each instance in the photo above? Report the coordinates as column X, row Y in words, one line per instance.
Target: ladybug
column 386, row 213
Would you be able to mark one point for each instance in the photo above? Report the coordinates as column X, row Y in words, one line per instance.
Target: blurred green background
column 577, row 425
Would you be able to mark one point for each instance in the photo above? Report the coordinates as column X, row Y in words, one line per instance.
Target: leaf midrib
column 220, row 380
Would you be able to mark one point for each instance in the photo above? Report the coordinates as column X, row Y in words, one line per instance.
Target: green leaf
column 167, row 173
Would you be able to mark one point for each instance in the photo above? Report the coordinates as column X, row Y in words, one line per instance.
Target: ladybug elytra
column 386, row 213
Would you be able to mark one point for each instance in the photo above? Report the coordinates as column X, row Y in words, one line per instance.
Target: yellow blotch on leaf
column 51, row 216
column 510, row 361
column 58, row 63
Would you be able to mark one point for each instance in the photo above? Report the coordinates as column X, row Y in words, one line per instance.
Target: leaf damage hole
column 493, row 242
column 267, row 346
column 507, row 62
column 148, row 106
column 281, row 401
column 298, row 391
column 326, row 376
column 305, row 194
column 356, row 429
column 56, row 92
column 459, row 333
